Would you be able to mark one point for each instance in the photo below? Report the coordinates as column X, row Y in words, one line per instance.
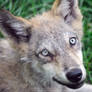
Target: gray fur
column 23, row 68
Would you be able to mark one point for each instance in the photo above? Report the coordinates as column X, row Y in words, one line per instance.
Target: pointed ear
column 15, row 28
column 68, row 9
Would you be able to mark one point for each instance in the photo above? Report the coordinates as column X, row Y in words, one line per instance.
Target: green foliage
column 26, row 8
column 86, row 9
column 29, row 8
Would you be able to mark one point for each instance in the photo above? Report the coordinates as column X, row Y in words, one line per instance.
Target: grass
column 29, row 8
column 86, row 9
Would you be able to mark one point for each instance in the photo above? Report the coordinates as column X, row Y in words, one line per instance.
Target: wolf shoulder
column 7, row 53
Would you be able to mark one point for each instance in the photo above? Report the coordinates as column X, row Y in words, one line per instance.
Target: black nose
column 74, row 75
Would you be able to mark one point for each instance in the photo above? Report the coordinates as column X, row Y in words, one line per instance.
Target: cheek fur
column 49, row 68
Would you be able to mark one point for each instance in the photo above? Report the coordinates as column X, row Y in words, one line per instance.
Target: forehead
column 51, row 26
column 51, row 32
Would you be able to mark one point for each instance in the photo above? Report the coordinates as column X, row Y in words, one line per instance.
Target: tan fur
column 22, row 66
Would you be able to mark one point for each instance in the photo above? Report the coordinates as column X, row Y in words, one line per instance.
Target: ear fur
column 68, row 9
column 14, row 27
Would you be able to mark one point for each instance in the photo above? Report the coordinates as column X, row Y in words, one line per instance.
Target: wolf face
column 49, row 45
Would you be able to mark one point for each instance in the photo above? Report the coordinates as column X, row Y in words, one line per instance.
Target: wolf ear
column 68, row 9
column 14, row 27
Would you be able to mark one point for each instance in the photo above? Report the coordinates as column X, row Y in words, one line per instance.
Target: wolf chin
column 43, row 54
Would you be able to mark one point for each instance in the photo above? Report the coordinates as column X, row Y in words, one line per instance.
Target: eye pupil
column 73, row 41
column 45, row 52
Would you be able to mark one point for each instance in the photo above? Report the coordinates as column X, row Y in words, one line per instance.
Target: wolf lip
column 75, row 86
column 72, row 86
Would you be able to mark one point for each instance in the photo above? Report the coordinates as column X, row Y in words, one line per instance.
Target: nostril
column 74, row 75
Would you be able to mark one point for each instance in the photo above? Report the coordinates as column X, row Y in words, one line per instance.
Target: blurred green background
column 29, row 8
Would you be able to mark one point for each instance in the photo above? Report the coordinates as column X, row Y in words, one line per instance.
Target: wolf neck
column 38, row 83
column 36, row 86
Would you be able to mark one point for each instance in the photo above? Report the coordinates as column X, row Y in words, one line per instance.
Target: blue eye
column 45, row 52
column 72, row 41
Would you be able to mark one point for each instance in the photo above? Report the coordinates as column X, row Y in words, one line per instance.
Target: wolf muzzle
column 75, row 77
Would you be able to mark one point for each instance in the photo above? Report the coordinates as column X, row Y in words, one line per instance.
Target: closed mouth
column 72, row 86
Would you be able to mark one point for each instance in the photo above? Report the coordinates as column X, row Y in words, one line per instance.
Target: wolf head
column 49, row 45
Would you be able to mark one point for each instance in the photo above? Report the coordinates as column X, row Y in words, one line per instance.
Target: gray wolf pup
column 43, row 54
